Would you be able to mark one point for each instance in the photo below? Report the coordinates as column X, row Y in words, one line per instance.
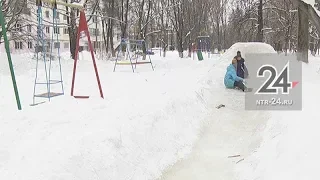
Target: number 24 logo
column 275, row 81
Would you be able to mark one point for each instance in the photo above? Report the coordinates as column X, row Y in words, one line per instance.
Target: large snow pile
column 290, row 148
column 247, row 48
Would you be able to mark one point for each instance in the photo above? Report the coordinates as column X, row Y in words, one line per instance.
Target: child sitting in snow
column 231, row 80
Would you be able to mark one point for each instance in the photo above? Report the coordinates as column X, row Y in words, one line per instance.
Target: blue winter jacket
column 231, row 77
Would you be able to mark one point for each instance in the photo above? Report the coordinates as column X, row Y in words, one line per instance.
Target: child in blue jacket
column 231, row 80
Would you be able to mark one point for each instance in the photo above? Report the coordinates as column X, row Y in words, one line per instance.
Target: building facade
column 23, row 37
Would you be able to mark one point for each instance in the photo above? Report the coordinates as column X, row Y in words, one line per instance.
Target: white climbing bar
column 72, row 5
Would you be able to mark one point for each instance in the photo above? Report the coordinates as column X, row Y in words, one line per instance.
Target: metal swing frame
column 133, row 58
column 41, row 48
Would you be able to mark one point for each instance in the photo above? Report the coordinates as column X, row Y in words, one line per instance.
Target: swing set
column 133, row 54
column 43, row 49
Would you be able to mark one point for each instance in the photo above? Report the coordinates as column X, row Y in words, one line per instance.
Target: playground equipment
column 83, row 28
column 203, row 44
column 44, row 51
column 4, row 33
column 133, row 54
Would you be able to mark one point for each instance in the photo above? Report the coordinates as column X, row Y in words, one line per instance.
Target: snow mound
column 247, row 48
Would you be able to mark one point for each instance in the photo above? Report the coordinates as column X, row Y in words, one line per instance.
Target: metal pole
column 2, row 21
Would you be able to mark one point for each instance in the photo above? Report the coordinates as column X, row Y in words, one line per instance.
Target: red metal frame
column 83, row 27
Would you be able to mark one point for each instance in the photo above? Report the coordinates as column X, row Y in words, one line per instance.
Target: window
column 18, row 27
column 94, row 19
column 91, row 30
column 18, row 45
column 47, row 14
column 47, row 29
column 94, row 32
column 29, row 45
column 26, row 11
column 64, row 17
column 65, row 31
column 96, row 45
column 56, row 45
column 57, row 15
column 48, row 47
column 56, row 30
column 29, row 28
column 66, row 45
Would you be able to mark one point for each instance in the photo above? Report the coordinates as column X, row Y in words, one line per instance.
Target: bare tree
column 12, row 12
column 177, row 20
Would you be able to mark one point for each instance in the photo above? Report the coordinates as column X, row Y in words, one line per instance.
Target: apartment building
column 24, row 35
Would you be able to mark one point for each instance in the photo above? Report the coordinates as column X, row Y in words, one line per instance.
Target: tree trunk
column 286, row 41
column 111, row 39
column 104, row 35
column 218, row 33
column 108, row 35
column 180, row 44
column 111, row 30
column 71, row 30
column 260, row 23
column 303, row 34
column 124, row 18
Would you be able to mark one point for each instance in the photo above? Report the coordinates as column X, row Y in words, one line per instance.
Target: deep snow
column 147, row 121
column 160, row 124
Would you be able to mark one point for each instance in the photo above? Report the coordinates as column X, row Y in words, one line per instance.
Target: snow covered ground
column 146, row 122
column 152, row 124
column 289, row 149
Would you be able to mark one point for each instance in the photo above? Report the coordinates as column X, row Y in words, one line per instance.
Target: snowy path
column 209, row 158
column 232, row 131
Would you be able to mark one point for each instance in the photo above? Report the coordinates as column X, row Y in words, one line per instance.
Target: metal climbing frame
column 41, row 53
column 133, row 57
